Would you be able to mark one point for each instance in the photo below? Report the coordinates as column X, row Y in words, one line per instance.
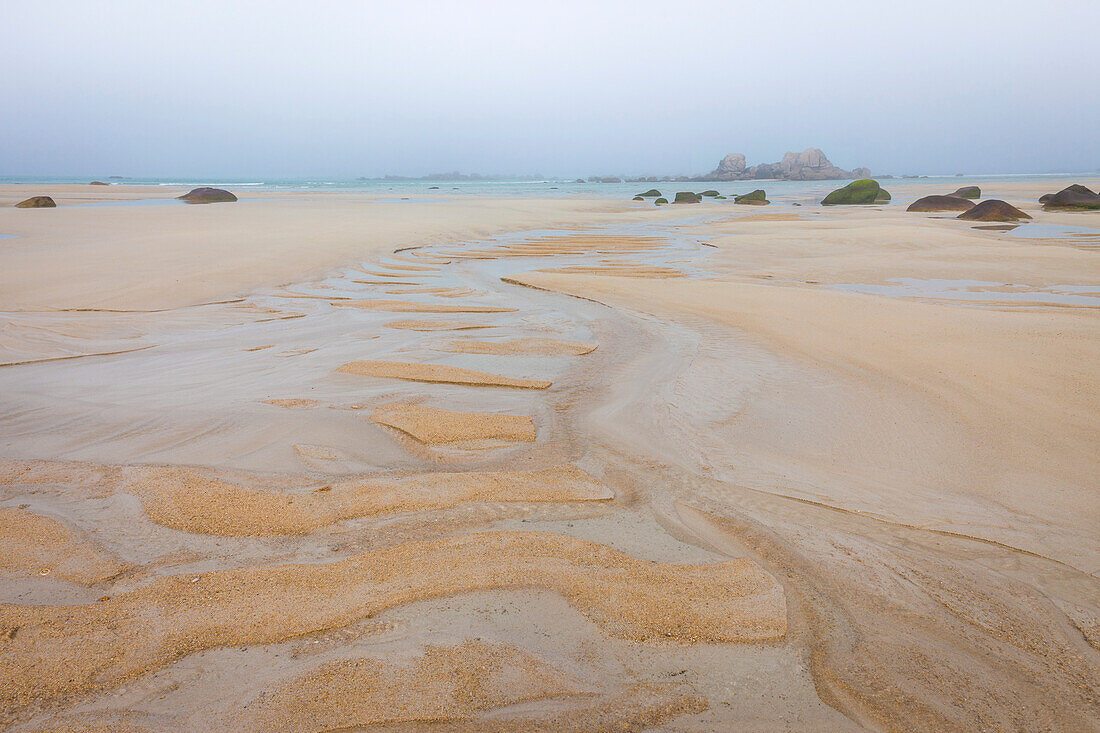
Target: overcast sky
column 342, row 89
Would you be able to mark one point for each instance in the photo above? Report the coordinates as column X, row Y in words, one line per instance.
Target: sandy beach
column 336, row 461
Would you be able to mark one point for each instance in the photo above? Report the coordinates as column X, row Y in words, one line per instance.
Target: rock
column 610, row 179
column 710, row 193
column 883, row 197
column 731, row 168
column 650, row 194
column 968, row 192
column 941, row 203
column 1075, row 197
column 809, row 165
column 98, row 183
column 753, row 198
column 719, row 198
column 207, row 195
column 863, row 191
column 36, row 202
column 433, row 188
column 687, row 197
column 993, row 210
column 638, row 198
column 661, row 200
column 579, row 180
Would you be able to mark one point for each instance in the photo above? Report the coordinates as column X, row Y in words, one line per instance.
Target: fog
column 343, row 89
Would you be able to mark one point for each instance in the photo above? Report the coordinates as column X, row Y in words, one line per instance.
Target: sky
column 344, row 89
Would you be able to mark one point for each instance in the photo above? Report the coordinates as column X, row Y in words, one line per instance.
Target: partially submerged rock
column 638, row 198
column 36, row 202
column 941, row 203
column 650, row 194
column 206, row 195
column 661, row 200
column 687, row 197
column 98, row 183
column 1075, row 197
column 968, row 192
column 710, row 193
column 863, row 191
column 993, row 210
column 753, row 198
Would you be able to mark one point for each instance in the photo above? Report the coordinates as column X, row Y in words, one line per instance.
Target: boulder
column 968, row 192
column 730, row 168
column 941, row 203
column 98, row 183
column 687, row 197
column 1075, row 197
column 863, row 191
column 610, row 179
column 661, row 200
column 753, row 198
column 207, row 195
column 993, row 210
column 711, row 193
column 883, row 197
column 719, row 198
column 36, row 202
column 638, row 198
column 650, row 194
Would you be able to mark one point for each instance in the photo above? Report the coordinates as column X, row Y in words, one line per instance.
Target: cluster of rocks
column 960, row 200
column 809, row 165
column 753, row 198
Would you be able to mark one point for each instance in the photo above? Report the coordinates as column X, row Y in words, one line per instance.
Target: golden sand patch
column 437, row 373
column 35, row 545
column 441, row 292
column 436, row 325
column 316, row 452
column 620, row 270
column 433, row 426
column 260, row 348
column 455, row 686
column 445, row 684
column 292, row 402
column 536, row 346
column 190, row 501
column 59, row 650
column 410, row 306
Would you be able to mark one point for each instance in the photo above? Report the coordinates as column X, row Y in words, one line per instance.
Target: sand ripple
column 433, row 426
column 437, row 373
column 50, row 651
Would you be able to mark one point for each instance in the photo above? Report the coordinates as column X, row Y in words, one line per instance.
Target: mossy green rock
column 687, row 197
column 719, row 198
column 883, row 196
column 968, row 192
column 1070, row 198
column 753, row 198
column 36, row 202
column 650, row 194
column 638, row 198
column 661, row 200
column 711, row 193
column 863, row 191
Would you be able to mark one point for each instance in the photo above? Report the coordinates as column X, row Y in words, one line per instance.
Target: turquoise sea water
column 780, row 191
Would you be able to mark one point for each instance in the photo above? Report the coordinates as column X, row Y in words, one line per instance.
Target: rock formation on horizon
column 809, row 165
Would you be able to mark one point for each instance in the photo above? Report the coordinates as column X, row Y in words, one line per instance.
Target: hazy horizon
column 354, row 89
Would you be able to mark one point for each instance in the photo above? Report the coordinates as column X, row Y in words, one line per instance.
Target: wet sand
column 714, row 469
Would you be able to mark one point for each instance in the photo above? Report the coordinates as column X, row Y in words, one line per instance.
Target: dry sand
column 433, row 426
column 65, row 650
column 538, row 346
column 437, row 373
column 765, row 502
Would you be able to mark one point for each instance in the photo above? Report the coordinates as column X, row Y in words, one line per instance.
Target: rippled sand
column 689, row 470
